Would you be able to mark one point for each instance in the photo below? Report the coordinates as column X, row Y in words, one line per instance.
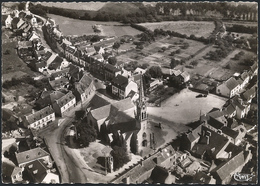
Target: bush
column 7, row 52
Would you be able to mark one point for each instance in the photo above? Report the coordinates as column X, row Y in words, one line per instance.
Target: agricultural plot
column 198, row 28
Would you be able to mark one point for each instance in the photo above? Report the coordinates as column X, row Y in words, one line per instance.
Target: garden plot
column 198, row 28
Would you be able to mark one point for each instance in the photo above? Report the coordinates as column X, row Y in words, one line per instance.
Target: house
column 99, row 50
column 59, row 74
column 190, row 138
column 69, row 53
column 8, row 22
column 254, row 68
column 224, row 172
column 33, row 36
column 174, row 72
column 217, row 114
column 64, row 104
column 90, row 50
column 155, row 84
column 184, row 76
column 241, row 107
column 110, row 71
column 139, row 71
column 162, row 175
column 203, row 178
column 84, row 89
column 249, row 94
column 48, row 98
column 56, row 64
column 245, row 78
column 21, row 23
column 121, row 87
column 11, row 174
column 230, row 111
column 75, row 73
column 25, row 48
column 59, row 83
column 38, row 66
column 40, row 171
column 14, row 23
column 211, row 144
column 31, row 155
column 228, row 88
column 40, row 119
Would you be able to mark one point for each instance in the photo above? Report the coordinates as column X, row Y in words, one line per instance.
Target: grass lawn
column 184, row 107
column 12, row 65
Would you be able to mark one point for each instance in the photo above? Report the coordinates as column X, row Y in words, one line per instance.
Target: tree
column 80, row 114
column 155, row 71
column 174, row 63
column 116, row 46
column 86, row 132
column 120, row 157
column 95, row 38
column 21, row 6
column 112, row 60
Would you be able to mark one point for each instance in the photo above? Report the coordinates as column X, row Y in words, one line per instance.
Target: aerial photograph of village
column 129, row 92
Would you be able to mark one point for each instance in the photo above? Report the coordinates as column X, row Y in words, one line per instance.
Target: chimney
column 230, row 154
column 35, row 171
column 207, row 137
column 33, row 111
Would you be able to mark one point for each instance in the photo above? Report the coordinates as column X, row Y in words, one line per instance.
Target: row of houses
column 236, row 83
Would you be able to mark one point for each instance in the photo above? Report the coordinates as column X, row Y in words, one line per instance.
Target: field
column 75, row 5
column 83, row 27
column 184, row 107
column 12, row 65
column 198, row 28
column 152, row 54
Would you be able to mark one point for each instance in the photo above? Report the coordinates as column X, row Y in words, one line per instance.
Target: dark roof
column 46, row 56
column 56, row 63
column 60, row 73
column 229, row 132
column 249, row 94
column 120, row 81
column 70, row 50
column 244, row 75
column 15, row 22
column 234, row 149
column 111, row 68
column 38, row 115
column 65, row 99
column 229, row 109
column 254, row 67
column 216, row 141
column 75, row 71
column 48, row 98
column 31, row 155
column 231, row 83
column 83, row 84
column 36, row 65
column 56, row 84
column 201, row 177
column 97, row 102
column 194, row 134
column 38, row 170
column 226, row 168
column 215, row 123
column 159, row 174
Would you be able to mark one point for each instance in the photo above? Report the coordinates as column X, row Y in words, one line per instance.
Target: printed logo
column 243, row 177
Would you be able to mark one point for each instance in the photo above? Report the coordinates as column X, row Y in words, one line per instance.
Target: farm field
column 83, row 27
column 75, row 5
column 198, row 28
column 152, row 55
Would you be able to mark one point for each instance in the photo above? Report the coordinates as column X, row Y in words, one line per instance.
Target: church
column 126, row 120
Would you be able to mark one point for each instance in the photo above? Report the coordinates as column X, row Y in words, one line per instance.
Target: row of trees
column 228, row 10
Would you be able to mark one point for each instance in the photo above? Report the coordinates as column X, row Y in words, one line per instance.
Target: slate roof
column 70, row 50
column 175, row 72
column 184, row 75
column 83, row 84
column 25, row 44
column 231, row 83
column 229, row 132
column 31, row 155
column 60, row 73
column 15, row 22
column 40, row 167
column 111, row 68
column 38, row 115
column 224, row 169
column 159, row 174
column 201, row 177
column 120, row 81
column 55, row 84
column 65, row 99
column 254, row 67
column 244, row 75
column 215, row 123
column 216, row 141
column 97, row 102
column 56, row 63
column 194, row 134
column 230, row 109
column 249, row 94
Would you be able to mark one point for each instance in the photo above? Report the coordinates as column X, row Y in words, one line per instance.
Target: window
column 144, row 135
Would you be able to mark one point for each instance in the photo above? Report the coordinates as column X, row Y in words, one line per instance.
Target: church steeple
column 141, row 105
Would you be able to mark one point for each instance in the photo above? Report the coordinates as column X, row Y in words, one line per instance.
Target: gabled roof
column 249, row 94
column 201, row 177
column 31, row 155
column 65, row 99
column 185, row 75
column 111, row 68
column 139, row 71
column 83, row 84
column 37, row 169
column 254, row 67
column 120, row 81
column 70, row 50
column 56, row 63
column 229, row 132
column 38, row 115
column 25, row 44
column 230, row 109
column 244, row 75
column 215, row 123
column 15, row 22
column 175, row 72
column 231, row 83
column 224, row 170
column 59, row 82
column 159, row 174
column 194, row 134
column 60, row 73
